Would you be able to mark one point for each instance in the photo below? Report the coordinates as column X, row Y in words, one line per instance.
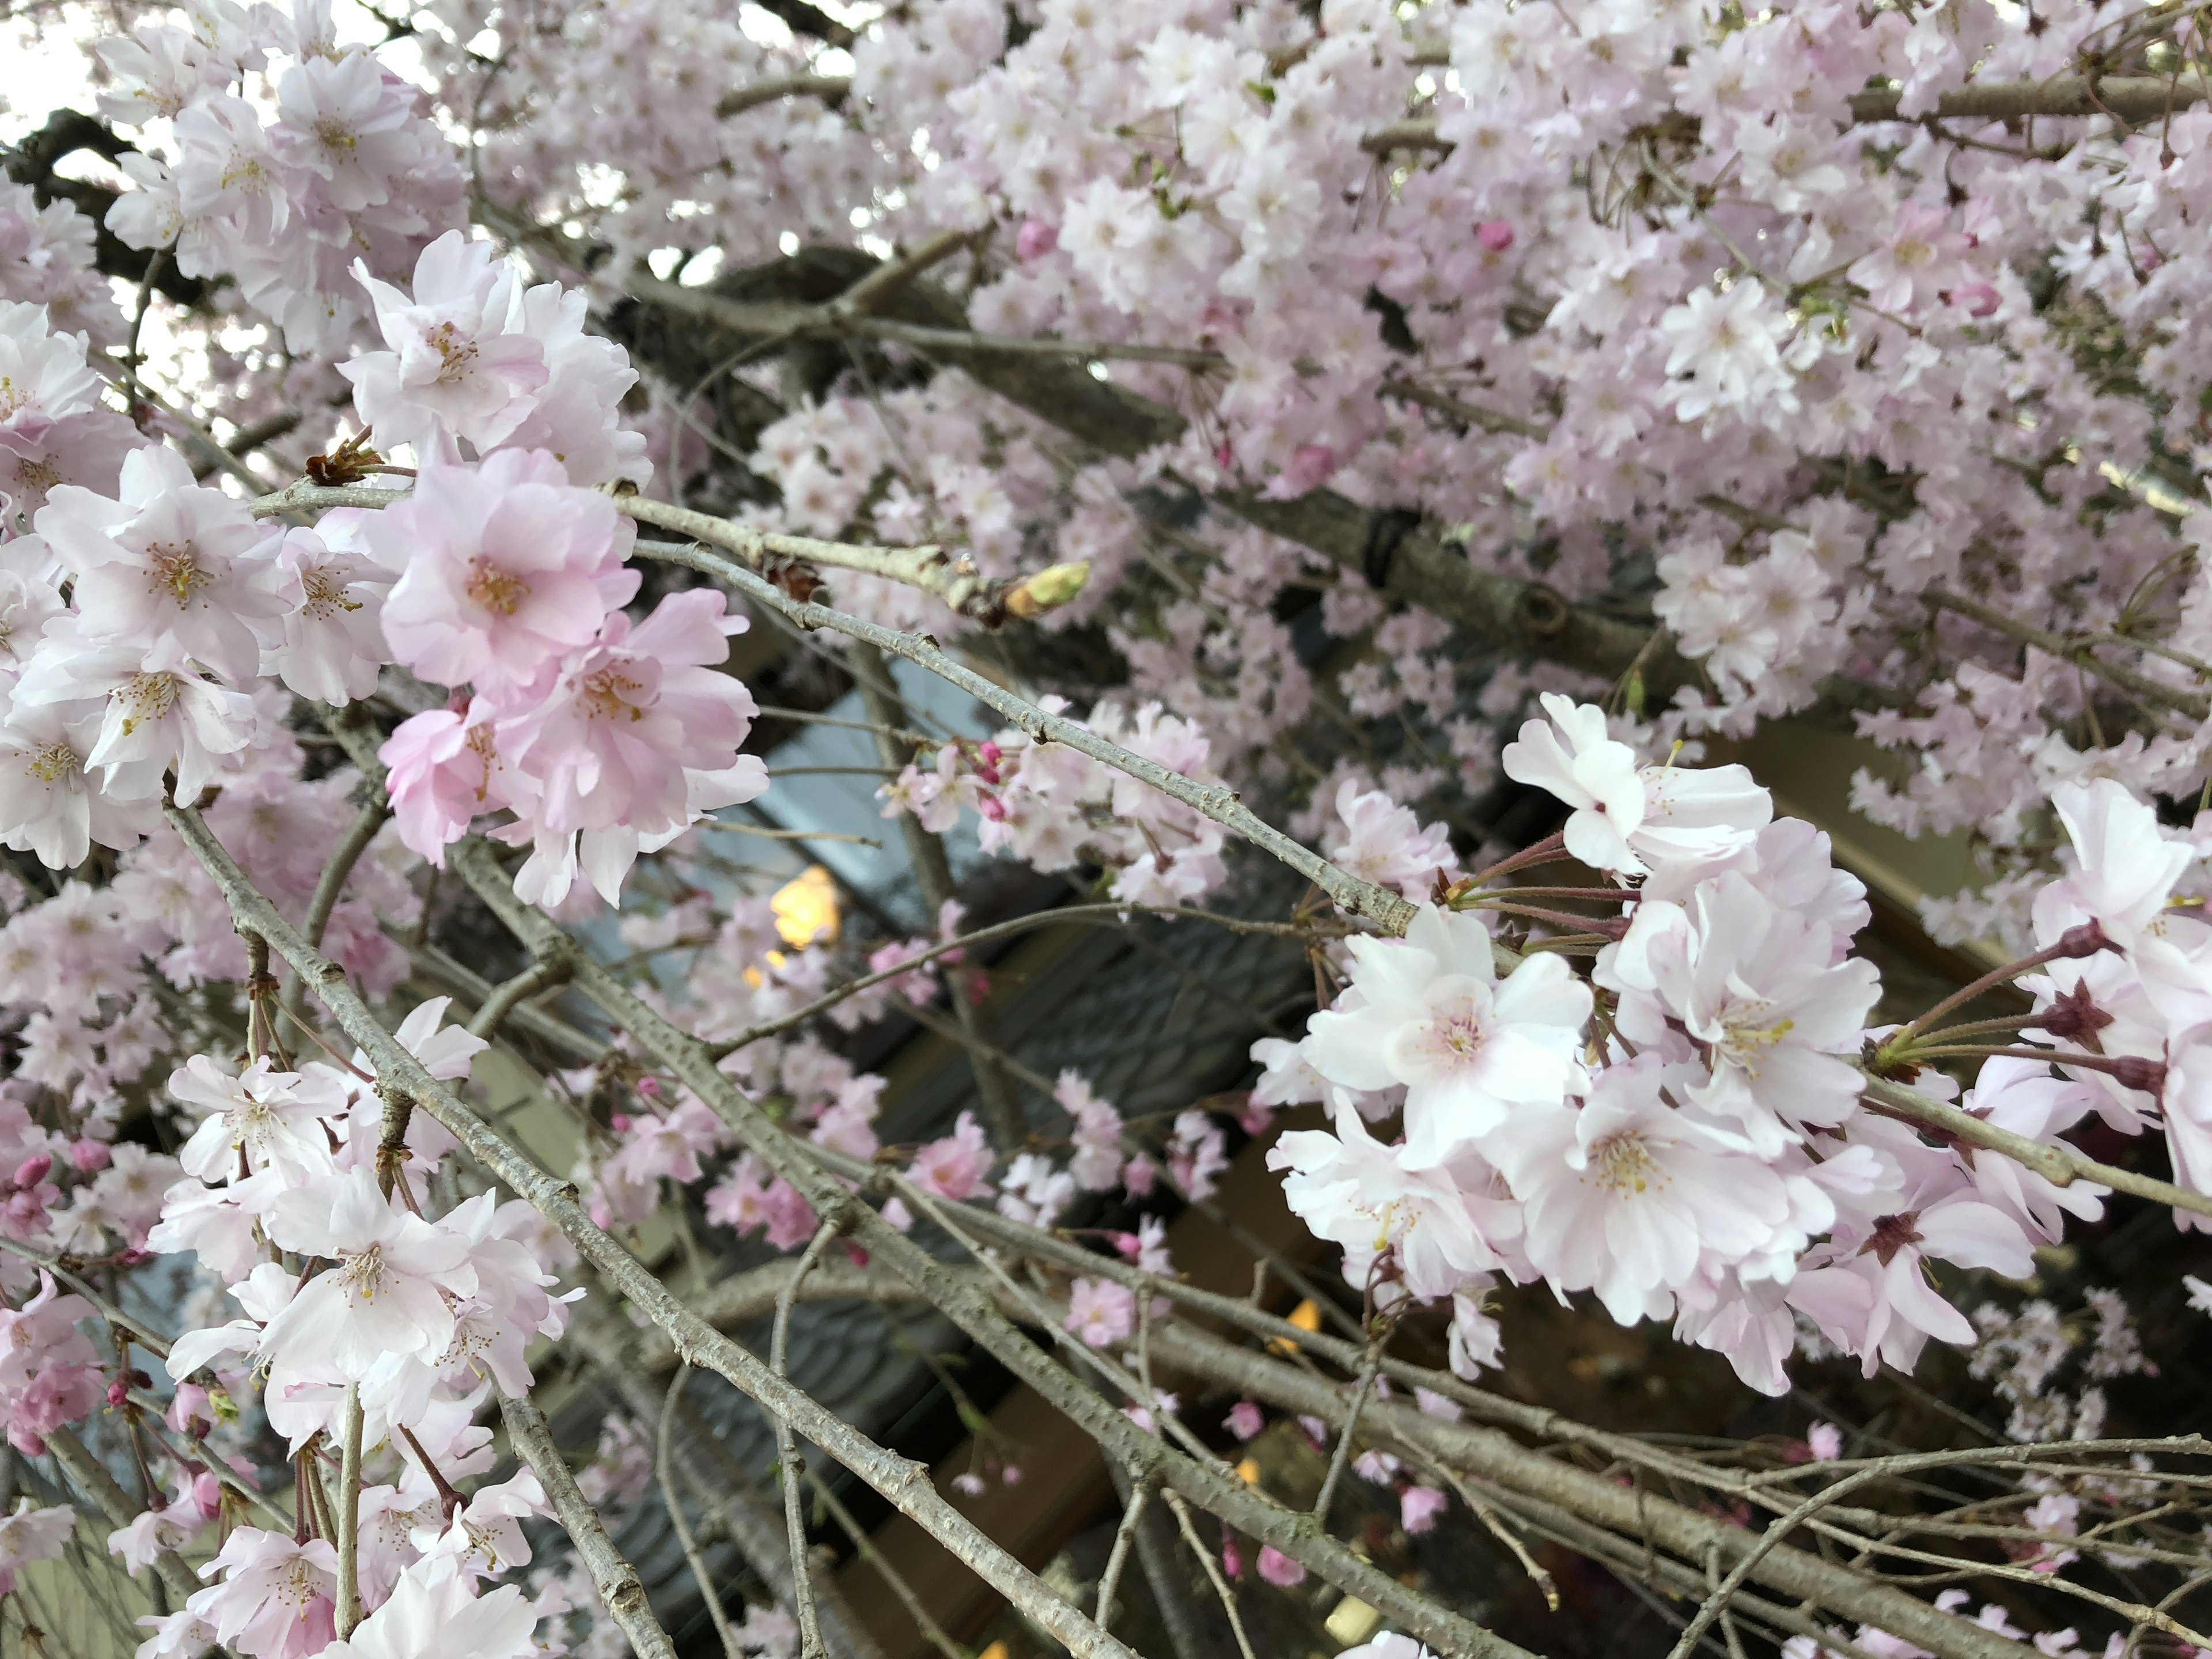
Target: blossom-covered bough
column 1413, row 436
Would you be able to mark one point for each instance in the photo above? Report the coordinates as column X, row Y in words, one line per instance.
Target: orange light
column 1307, row 1317
column 1248, row 1471
column 996, row 1650
column 806, row 907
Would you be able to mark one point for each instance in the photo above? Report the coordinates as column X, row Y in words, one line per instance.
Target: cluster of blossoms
column 1706, row 308
column 1053, row 807
column 416, row 1317
column 1682, row 1132
column 1637, row 301
column 280, row 178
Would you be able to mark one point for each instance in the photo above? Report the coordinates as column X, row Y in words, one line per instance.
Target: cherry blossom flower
column 167, row 563
column 1387, row 845
column 1430, row 1013
column 276, row 1599
column 32, row 1534
column 260, row 1118
column 954, row 1168
column 501, row 569
column 453, row 370
column 1101, row 1312
column 1627, row 816
column 388, row 1293
column 1629, row 1196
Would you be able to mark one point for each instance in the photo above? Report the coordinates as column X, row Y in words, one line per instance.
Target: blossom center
column 496, row 590
column 1623, row 1164
column 611, row 693
column 178, row 571
column 364, row 1275
column 325, row 591
column 54, row 763
column 456, row 355
column 146, row 697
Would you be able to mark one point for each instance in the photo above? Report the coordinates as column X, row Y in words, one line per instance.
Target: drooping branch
column 905, row 1483
column 949, row 576
column 2159, row 695
column 621, row 1592
column 2059, row 1165
column 1216, row 1490
column 1217, row 801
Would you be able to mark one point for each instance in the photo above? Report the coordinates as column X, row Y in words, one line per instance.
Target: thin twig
column 905, row 1483
column 786, row 1451
column 1124, row 1536
column 663, row 1471
column 1182, row 1510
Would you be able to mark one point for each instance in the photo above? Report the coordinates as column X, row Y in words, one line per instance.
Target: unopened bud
column 2133, row 1071
column 1050, row 588
column 33, row 1171
column 2085, row 940
column 619, row 1122
column 117, row 1394
column 90, row 1157
column 1495, row 234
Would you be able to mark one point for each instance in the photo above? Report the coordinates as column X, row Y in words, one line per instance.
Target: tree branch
column 905, row 1483
column 2126, row 97
column 1217, row 801
column 620, row 1590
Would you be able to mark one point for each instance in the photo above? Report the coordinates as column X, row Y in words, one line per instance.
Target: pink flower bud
column 1495, row 234
column 990, row 753
column 1976, row 299
column 1245, row 1419
column 620, row 1122
column 2085, row 940
column 1035, row 240
column 189, row 1411
column 649, row 1087
column 90, row 1157
column 33, row 1171
column 117, row 1394
column 1279, row 1570
column 2133, row 1071
column 1012, row 1474
column 1232, row 1558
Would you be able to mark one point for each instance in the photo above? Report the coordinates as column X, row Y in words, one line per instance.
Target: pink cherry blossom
column 1429, row 1013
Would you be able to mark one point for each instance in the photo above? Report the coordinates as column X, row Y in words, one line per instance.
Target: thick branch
column 1408, row 558
column 33, row 161
column 115, row 1503
column 829, row 89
